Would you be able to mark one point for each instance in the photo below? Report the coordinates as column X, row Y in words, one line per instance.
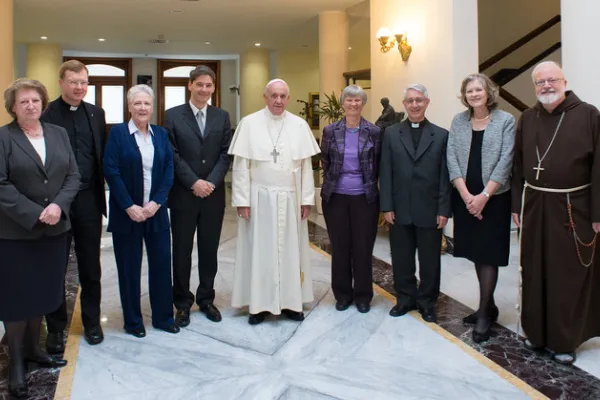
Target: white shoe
column 564, row 358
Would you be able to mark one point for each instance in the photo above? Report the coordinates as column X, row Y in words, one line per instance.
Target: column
column 6, row 52
column 254, row 75
column 333, row 53
column 580, row 59
column 43, row 62
column 443, row 35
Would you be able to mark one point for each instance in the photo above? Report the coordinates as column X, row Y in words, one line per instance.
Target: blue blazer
column 123, row 172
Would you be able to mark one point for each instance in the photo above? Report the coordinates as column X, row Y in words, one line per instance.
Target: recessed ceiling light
column 101, row 40
column 44, row 37
column 257, row 44
column 175, row 11
column 349, row 48
column 207, row 43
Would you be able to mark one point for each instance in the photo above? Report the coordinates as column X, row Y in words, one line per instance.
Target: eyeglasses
column 551, row 81
column 77, row 83
column 419, row 100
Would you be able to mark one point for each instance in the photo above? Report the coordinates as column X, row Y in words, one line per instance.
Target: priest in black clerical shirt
column 86, row 127
column 415, row 199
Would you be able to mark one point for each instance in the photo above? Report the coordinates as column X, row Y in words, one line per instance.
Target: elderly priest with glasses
column 273, row 190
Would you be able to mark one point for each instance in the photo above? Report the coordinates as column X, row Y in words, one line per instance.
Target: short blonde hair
column 489, row 86
column 10, row 94
column 71, row 65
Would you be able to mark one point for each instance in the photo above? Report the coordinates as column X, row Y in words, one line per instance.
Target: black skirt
column 32, row 276
column 485, row 241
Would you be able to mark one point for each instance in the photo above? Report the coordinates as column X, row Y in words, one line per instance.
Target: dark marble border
column 42, row 381
column 505, row 348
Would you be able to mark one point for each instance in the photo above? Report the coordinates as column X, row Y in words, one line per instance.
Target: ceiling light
column 349, row 47
column 44, row 37
column 101, row 40
column 257, row 44
column 207, row 43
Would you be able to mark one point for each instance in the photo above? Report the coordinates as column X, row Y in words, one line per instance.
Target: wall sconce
column 387, row 42
column 234, row 89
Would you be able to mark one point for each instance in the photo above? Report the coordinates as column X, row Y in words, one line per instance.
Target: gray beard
column 549, row 98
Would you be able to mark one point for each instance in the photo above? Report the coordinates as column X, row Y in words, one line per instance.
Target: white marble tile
column 331, row 355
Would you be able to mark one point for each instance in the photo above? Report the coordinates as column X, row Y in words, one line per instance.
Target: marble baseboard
column 505, row 349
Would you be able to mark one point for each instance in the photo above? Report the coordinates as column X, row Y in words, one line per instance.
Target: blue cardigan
column 124, row 173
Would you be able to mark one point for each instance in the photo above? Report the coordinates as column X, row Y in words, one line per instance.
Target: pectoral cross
column 274, row 153
column 539, row 169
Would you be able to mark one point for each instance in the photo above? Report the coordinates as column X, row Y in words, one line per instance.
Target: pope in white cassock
column 273, row 190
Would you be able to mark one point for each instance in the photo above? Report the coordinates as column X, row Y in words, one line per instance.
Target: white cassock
column 272, row 270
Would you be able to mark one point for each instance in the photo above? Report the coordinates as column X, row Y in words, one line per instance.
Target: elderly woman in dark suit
column 138, row 165
column 38, row 181
column 350, row 150
column 479, row 157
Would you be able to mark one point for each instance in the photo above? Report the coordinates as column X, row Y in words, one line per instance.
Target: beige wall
column 20, row 60
column 43, row 62
column 443, row 34
column 227, row 78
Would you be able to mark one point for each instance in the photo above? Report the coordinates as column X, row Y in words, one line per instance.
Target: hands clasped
column 202, row 188
column 141, row 214
column 51, row 214
column 475, row 204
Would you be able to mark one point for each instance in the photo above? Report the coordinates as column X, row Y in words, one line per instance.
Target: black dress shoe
column 17, row 389
column 211, row 312
column 428, row 314
column 293, row 315
column 400, row 309
column 472, row 318
column 137, row 332
column 182, row 317
column 363, row 307
column 255, row 319
column 342, row 305
column 174, row 328
column 479, row 337
column 46, row 361
column 55, row 342
column 94, row 335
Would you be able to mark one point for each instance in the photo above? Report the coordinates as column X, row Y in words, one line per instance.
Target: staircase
column 506, row 75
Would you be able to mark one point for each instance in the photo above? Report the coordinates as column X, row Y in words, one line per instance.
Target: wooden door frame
column 165, row 64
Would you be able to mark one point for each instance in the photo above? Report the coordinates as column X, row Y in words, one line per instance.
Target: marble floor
column 331, row 355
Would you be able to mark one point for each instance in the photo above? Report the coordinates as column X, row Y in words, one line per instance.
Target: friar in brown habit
column 557, row 160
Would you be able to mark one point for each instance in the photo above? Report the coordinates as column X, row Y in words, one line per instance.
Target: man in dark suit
column 415, row 199
column 86, row 127
column 200, row 135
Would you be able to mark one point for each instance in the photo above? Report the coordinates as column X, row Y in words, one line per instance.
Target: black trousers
column 205, row 217
column 352, row 228
column 86, row 229
column 405, row 240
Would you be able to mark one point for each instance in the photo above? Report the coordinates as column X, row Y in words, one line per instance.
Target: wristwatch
column 486, row 194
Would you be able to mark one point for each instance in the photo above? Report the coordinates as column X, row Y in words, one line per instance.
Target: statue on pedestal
column 388, row 115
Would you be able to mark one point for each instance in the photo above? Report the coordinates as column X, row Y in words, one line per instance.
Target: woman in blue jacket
column 138, row 166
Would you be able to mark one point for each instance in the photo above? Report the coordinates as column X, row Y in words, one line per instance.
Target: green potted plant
column 331, row 109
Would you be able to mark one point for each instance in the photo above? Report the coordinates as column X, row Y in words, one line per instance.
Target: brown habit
column 561, row 298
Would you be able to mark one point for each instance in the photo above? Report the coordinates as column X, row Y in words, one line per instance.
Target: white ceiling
column 232, row 26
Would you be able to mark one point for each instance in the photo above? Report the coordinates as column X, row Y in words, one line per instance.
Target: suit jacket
column 415, row 185
column 27, row 186
column 196, row 157
column 54, row 115
column 496, row 149
column 332, row 156
column 124, row 173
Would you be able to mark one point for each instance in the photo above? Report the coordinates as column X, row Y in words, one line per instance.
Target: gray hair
column 276, row 80
column 541, row 65
column 418, row 87
column 139, row 89
column 354, row 91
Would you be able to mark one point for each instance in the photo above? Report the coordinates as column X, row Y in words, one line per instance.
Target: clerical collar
column 416, row 124
column 273, row 116
column 67, row 105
